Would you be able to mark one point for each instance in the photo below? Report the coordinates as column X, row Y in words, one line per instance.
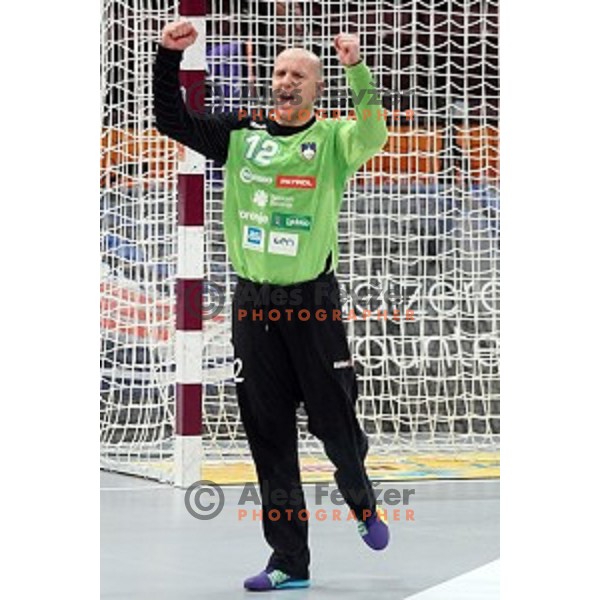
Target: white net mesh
column 420, row 221
column 137, row 207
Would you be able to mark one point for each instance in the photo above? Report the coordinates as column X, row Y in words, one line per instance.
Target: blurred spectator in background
column 240, row 65
column 279, row 27
column 229, row 71
column 289, row 15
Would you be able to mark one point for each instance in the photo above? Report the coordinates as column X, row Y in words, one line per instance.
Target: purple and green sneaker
column 375, row 531
column 274, row 579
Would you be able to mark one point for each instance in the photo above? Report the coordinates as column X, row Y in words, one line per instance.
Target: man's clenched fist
column 178, row 35
column 347, row 47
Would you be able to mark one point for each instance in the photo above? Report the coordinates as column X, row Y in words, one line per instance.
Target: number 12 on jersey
column 260, row 150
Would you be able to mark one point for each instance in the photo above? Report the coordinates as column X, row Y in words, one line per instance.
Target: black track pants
column 287, row 358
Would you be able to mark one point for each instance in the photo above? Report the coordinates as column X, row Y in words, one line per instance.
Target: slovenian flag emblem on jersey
column 308, row 150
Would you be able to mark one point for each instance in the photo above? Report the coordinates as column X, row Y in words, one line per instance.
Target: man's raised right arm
column 207, row 134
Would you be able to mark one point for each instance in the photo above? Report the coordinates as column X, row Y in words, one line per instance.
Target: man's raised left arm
column 361, row 139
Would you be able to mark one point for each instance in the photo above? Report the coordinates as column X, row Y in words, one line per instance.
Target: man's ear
column 319, row 89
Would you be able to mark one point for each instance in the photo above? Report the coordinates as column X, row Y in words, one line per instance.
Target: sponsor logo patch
column 254, row 238
column 261, row 198
column 297, row 182
column 248, row 176
column 248, row 215
column 294, row 222
column 283, row 243
column 281, row 201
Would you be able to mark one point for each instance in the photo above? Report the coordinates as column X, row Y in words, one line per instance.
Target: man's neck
column 283, row 127
column 295, row 120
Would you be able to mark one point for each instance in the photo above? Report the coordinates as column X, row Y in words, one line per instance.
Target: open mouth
column 285, row 97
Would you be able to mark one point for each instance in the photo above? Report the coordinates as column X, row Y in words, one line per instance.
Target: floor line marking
column 482, row 583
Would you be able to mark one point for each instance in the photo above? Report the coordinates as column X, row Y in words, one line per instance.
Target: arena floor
column 153, row 549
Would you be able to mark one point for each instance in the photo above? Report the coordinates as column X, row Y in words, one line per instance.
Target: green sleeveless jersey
column 283, row 193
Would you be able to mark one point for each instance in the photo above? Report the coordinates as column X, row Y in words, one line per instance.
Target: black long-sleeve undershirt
column 205, row 133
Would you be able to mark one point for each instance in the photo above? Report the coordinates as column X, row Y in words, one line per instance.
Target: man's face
column 296, row 84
